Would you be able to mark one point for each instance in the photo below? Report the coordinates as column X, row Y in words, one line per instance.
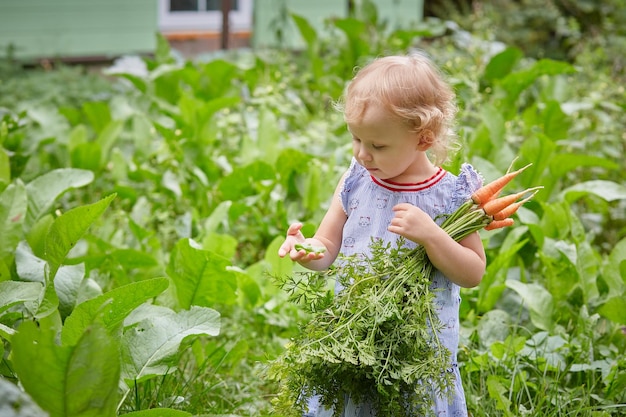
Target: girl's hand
column 298, row 247
column 412, row 223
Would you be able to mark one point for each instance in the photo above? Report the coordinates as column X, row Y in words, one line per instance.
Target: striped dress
column 367, row 202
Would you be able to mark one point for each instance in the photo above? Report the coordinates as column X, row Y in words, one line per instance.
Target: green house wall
column 269, row 17
column 77, row 28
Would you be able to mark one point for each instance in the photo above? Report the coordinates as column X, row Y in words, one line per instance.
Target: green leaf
column 28, row 266
column 78, row 380
column 67, row 285
column 312, row 193
column 492, row 285
column 498, row 392
column 245, row 181
column 606, row 190
column 200, row 276
column 561, row 164
column 587, row 266
column 133, row 258
column 98, row 114
column 86, row 156
column 68, row 228
column 149, row 346
column 612, row 274
column 111, row 308
column 613, row 309
column 7, row 333
column 502, row 64
column 514, row 83
column 5, row 168
column 13, row 206
column 539, row 149
column 494, row 325
column 45, row 189
column 158, row 412
column 306, row 30
column 16, row 292
column 268, row 136
column 218, row 216
column 107, row 139
column 36, row 236
column 221, row 244
column 538, row 301
column 279, row 267
column 495, row 123
column 5, row 274
column 556, row 124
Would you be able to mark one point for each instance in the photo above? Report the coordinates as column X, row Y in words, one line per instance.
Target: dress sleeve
column 349, row 181
column 468, row 181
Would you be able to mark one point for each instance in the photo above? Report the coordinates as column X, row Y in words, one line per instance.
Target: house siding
column 77, row 28
column 267, row 17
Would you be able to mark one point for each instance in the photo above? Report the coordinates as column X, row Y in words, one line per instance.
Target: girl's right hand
column 298, row 247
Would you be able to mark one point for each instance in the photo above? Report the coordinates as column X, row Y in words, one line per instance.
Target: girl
column 399, row 111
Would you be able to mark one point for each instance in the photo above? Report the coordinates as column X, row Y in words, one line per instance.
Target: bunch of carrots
column 486, row 210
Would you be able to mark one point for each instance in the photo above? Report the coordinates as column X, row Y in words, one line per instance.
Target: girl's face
column 387, row 148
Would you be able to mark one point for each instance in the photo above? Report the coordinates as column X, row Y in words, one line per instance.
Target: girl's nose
column 363, row 155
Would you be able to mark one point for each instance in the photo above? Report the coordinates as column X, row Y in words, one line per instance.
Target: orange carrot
column 497, row 224
column 510, row 210
column 498, row 204
column 490, row 191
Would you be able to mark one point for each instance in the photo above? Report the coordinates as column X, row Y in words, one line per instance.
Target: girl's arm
column 328, row 236
column 462, row 262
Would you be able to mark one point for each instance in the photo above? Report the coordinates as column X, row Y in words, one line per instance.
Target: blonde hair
column 411, row 88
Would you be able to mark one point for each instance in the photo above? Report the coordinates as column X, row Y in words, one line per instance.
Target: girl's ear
column 425, row 139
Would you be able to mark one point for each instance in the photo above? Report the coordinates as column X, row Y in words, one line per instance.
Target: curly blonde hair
column 411, row 88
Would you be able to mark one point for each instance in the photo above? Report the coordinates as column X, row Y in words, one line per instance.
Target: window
column 203, row 15
column 200, row 5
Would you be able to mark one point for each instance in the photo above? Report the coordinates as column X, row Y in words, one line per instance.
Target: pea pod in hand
column 308, row 248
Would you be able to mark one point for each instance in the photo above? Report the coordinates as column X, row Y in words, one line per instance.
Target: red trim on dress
column 419, row 186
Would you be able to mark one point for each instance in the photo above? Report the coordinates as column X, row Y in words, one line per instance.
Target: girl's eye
column 378, row 147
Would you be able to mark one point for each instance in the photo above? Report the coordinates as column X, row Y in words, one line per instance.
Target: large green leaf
column 614, row 310
column 45, row 189
column 149, row 346
column 538, row 301
column 107, row 139
column 306, row 30
column 111, row 308
column 28, row 266
column 13, row 206
column 16, row 292
column 606, row 190
column 201, row 277
column 516, row 82
column 502, row 64
column 78, row 380
column 67, row 283
column 613, row 272
column 68, row 229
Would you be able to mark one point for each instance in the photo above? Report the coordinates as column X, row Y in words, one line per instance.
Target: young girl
column 399, row 111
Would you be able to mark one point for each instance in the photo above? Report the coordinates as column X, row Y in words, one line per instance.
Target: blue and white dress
column 367, row 202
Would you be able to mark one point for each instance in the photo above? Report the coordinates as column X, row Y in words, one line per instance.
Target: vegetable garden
column 141, row 213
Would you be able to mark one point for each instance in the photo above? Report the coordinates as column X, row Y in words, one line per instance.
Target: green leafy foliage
column 209, row 161
column 374, row 341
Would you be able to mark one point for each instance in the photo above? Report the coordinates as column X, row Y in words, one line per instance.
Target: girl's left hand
column 412, row 223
